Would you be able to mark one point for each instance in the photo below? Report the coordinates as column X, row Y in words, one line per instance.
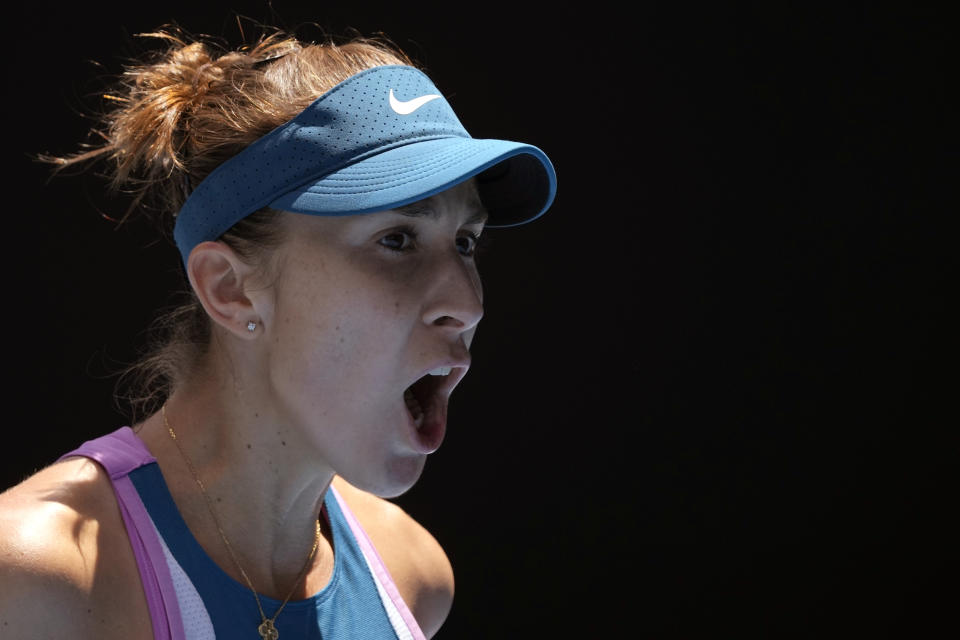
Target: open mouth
column 423, row 395
column 426, row 401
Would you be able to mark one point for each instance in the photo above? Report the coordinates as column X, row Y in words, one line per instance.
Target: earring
column 251, row 326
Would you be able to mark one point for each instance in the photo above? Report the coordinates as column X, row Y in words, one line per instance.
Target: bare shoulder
column 416, row 561
column 62, row 568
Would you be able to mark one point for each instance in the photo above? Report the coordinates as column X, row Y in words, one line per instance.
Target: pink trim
column 119, row 453
column 379, row 568
column 154, row 572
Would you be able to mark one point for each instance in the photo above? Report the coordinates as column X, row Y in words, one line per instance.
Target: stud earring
column 251, row 326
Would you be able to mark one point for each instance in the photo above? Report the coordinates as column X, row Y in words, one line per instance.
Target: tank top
column 191, row 598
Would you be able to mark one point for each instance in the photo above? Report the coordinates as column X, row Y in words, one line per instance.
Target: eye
column 467, row 244
column 398, row 240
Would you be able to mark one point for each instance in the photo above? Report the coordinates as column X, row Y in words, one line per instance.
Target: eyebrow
column 423, row 209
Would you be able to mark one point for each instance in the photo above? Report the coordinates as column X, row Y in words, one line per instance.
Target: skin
column 351, row 311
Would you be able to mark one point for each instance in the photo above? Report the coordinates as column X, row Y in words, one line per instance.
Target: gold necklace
column 266, row 629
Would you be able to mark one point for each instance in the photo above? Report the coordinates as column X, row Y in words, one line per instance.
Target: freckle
column 341, row 340
column 337, row 328
column 219, row 499
column 248, row 446
column 283, row 442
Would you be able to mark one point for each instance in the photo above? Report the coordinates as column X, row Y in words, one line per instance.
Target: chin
column 398, row 477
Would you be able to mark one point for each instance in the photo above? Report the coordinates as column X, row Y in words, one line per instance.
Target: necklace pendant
column 268, row 631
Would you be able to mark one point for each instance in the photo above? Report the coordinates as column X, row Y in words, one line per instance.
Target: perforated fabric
column 196, row 621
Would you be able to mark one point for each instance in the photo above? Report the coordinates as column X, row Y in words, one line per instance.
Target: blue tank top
column 191, row 598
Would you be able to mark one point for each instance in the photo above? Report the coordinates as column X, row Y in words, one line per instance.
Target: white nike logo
column 409, row 106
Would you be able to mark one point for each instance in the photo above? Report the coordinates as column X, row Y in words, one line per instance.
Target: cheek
column 477, row 284
column 336, row 342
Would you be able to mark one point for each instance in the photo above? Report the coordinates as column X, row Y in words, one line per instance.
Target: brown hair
column 176, row 117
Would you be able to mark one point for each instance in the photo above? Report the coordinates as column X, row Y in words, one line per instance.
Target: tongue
column 428, row 412
column 413, row 404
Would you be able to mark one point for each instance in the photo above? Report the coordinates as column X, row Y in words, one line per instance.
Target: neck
column 264, row 486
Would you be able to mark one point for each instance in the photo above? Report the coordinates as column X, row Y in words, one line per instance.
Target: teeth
column 441, row 371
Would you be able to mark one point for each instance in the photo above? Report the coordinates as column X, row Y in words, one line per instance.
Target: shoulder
column 416, row 561
column 60, row 573
column 50, row 521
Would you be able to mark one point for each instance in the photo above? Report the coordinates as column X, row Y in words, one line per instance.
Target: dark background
column 708, row 396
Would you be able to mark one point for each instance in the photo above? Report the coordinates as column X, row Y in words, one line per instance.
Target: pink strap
column 120, row 453
column 379, row 569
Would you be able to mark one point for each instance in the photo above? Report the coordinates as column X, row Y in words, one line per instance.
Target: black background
column 708, row 396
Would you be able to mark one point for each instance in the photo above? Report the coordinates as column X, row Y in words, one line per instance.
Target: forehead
column 462, row 199
column 457, row 206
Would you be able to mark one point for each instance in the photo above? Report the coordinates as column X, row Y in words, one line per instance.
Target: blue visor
column 381, row 139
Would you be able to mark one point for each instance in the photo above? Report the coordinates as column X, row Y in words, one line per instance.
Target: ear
column 222, row 282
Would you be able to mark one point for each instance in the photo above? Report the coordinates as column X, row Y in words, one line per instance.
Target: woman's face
column 366, row 306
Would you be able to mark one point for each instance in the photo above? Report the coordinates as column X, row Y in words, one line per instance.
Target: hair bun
column 192, row 104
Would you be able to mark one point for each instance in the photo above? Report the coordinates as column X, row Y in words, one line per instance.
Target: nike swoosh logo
column 406, row 107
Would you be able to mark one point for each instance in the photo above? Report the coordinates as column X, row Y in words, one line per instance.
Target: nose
column 456, row 296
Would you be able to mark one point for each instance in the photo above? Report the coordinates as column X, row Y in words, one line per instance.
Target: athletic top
column 191, row 598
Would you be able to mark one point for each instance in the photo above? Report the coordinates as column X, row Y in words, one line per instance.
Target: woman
column 307, row 378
